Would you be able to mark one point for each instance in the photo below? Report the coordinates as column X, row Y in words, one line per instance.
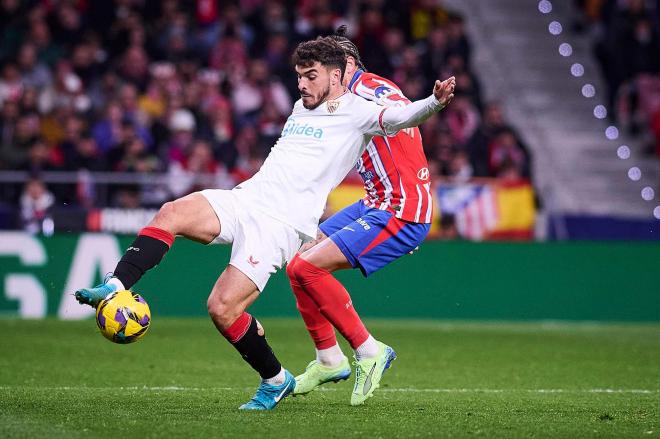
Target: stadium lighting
column 600, row 112
column 623, row 152
column 545, row 7
column 612, row 132
column 648, row 193
column 634, row 173
column 588, row 91
column 555, row 28
column 577, row 70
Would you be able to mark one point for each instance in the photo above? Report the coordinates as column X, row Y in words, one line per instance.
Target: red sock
column 333, row 300
column 319, row 328
column 159, row 234
column 238, row 329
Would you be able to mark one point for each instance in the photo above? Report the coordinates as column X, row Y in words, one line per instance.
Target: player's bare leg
column 324, row 303
column 232, row 294
column 191, row 217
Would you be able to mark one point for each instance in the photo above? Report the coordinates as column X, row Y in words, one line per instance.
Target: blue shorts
column 371, row 238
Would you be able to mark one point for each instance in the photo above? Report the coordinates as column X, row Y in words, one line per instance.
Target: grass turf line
column 62, row 379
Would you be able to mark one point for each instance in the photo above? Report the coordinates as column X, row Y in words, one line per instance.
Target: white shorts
column 261, row 244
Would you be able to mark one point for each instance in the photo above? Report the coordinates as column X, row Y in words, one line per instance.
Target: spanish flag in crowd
column 486, row 210
column 489, row 210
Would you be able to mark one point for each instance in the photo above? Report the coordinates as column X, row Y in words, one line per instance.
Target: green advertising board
column 444, row 280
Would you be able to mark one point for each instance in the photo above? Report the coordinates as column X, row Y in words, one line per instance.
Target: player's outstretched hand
column 444, row 91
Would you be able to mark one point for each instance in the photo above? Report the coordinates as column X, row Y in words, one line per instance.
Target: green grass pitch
column 62, row 379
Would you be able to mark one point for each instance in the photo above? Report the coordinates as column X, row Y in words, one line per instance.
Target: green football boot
column 368, row 373
column 316, row 374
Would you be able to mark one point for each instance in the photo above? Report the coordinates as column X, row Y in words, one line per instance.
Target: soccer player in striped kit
column 390, row 221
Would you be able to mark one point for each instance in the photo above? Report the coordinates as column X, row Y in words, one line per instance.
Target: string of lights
column 600, row 111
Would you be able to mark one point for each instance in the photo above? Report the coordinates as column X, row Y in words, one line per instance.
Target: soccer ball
column 123, row 317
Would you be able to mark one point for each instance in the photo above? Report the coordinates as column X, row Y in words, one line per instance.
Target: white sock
column 368, row 349
column 116, row 282
column 277, row 380
column 331, row 356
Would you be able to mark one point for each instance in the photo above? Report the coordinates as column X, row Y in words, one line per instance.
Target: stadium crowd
column 626, row 36
column 193, row 88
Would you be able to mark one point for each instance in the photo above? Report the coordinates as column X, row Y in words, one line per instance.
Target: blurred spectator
column 182, row 128
column 458, row 42
column 424, row 16
column 393, row 45
column 65, row 91
column 33, row 72
column 370, row 39
column 134, row 68
column 84, row 155
column 436, row 51
column 460, row 169
column 12, row 13
column 249, row 96
column 11, row 85
column 37, row 158
column 40, row 35
column 132, row 155
column 8, row 118
column 25, row 135
column 492, row 124
column 197, row 171
column 230, row 55
column 315, row 18
column 250, row 157
column 462, row 119
column 409, row 73
column 35, row 203
column 67, row 24
column 106, row 131
column 506, row 156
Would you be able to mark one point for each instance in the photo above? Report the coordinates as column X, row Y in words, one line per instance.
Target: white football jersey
column 315, row 151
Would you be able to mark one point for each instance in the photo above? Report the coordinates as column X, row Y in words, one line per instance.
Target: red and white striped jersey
column 394, row 168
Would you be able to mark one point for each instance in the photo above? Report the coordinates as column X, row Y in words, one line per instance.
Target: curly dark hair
column 324, row 50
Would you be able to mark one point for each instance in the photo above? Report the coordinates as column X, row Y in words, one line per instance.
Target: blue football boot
column 268, row 395
column 93, row 296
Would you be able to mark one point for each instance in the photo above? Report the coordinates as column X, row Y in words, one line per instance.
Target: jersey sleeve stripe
column 380, row 120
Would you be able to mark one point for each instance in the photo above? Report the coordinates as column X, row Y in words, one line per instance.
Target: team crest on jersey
column 332, row 106
column 383, row 91
column 423, row 174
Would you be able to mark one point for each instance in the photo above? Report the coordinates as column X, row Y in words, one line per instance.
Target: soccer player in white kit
column 268, row 217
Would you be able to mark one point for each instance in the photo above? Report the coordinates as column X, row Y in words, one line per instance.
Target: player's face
column 314, row 84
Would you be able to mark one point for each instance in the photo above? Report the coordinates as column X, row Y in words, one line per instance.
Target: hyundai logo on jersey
column 291, row 128
column 423, row 174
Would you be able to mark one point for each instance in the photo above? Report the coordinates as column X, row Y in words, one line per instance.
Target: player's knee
column 291, row 268
column 221, row 312
column 166, row 216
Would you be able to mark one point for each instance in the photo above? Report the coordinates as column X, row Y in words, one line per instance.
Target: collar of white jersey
column 338, row 98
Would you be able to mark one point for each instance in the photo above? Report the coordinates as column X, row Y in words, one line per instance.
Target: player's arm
column 394, row 119
column 381, row 92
